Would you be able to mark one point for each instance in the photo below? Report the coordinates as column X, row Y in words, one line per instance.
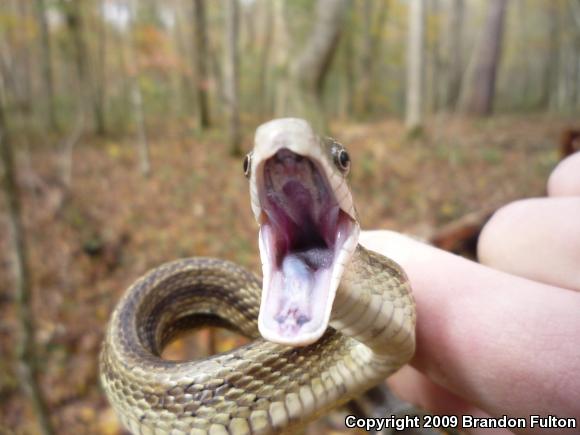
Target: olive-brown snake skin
column 309, row 267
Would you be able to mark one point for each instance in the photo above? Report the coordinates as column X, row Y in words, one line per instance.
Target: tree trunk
column 415, row 65
column 23, row 56
column 200, row 63
column 184, row 87
column 231, row 80
column 74, row 21
column 262, row 84
column 344, row 106
column 312, row 65
column 46, row 65
column 575, row 14
column 99, row 85
column 366, row 58
column 570, row 76
column 148, row 12
column 433, row 59
column 373, row 23
column 73, row 17
column 455, row 47
column 281, row 58
column 137, row 99
column 89, row 101
column 479, row 99
column 26, row 351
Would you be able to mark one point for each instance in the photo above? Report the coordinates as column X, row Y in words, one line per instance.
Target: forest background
column 123, row 123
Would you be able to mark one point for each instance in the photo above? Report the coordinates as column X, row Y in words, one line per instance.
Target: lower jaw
column 297, row 297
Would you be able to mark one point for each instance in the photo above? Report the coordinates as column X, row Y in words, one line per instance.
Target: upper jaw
column 293, row 134
column 296, row 135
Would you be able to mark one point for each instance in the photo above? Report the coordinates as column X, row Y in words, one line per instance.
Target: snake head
column 308, row 227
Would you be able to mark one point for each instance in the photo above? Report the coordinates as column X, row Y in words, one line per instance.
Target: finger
column 504, row 343
column 535, row 238
column 411, row 385
column 565, row 179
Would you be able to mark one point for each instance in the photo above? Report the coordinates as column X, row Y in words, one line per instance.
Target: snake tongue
column 294, row 294
column 299, row 286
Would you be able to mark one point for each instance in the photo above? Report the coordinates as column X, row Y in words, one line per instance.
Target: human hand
column 491, row 342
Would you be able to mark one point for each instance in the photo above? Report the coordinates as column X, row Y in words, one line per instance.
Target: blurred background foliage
column 123, row 123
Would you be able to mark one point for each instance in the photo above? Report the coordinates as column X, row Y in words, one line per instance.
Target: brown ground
column 89, row 245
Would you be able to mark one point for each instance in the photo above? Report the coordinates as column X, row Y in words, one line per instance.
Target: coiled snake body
column 315, row 275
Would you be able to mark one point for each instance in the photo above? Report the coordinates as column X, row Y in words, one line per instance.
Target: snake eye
column 342, row 160
column 248, row 165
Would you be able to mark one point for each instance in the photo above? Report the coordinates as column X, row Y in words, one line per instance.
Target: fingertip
column 565, row 178
column 536, row 238
column 494, row 244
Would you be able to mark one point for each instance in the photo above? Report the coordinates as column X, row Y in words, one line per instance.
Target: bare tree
column 24, row 73
column 434, row 85
column 75, row 24
column 281, row 58
column 455, row 52
column 561, row 72
column 148, row 12
column 137, row 98
column 46, row 59
column 262, row 83
column 574, row 9
column 374, row 14
column 67, row 148
column 312, row 65
column 182, row 84
column 99, row 83
column 481, row 86
column 346, row 93
column 73, row 18
column 231, row 79
column 89, row 92
column 26, row 351
column 415, row 65
column 200, row 62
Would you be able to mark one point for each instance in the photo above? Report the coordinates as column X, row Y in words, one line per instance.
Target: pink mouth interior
column 301, row 233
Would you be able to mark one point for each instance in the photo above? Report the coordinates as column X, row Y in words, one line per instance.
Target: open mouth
column 305, row 241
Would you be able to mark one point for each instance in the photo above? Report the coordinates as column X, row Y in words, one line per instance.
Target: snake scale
column 335, row 318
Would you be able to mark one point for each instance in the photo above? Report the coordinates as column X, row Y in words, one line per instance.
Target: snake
column 329, row 319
